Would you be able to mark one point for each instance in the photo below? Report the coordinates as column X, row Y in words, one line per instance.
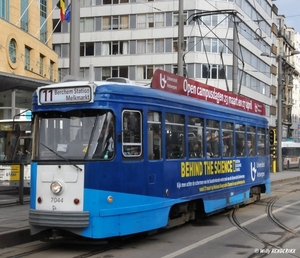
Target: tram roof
column 150, row 95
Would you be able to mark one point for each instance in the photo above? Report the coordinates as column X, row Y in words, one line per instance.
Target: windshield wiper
column 53, row 151
column 92, row 134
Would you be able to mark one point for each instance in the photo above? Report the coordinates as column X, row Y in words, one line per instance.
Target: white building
column 296, row 93
column 132, row 38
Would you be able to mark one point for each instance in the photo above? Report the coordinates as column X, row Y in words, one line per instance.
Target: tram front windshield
column 74, row 135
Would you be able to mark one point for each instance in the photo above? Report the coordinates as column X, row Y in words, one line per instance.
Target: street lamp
column 279, row 105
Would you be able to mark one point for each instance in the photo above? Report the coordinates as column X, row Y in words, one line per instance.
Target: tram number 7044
column 57, row 199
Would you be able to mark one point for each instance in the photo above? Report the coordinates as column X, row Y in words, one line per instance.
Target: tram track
column 273, row 218
column 45, row 248
column 289, row 232
column 83, row 249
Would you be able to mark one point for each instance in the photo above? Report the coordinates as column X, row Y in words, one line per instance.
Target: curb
column 285, row 180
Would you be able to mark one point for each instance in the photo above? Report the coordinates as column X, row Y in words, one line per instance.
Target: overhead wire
column 261, row 41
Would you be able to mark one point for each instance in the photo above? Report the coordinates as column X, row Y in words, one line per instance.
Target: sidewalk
column 14, row 227
column 285, row 176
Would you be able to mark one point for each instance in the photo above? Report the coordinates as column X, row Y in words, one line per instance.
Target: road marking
column 208, row 239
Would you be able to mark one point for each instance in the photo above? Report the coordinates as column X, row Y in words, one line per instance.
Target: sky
column 291, row 10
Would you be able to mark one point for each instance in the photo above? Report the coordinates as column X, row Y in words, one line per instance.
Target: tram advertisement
column 170, row 82
column 219, row 174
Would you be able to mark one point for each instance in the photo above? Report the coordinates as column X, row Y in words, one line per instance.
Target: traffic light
column 272, row 136
column 273, row 151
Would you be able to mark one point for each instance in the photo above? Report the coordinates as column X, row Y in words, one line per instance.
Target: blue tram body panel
column 34, row 183
column 128, row 214
column 123, row 195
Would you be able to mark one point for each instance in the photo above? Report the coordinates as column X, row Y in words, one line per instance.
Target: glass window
column 124, row 47
column 149, row 71
column 176, row 16
column 150, row 20
column 132, row 133
column 150, row 46
column 105, row 49
column 154, row 135
column 227, row 139
column 251, row 140
column 141, row 47
column 106, row 23
column 214, row 45
column 123, row 71
column 214, row 71
column 221, row 72
column 89, row 48
column 240, row 136
column 13, row 50
column 195, row 137
column 207, row 45
column 175, row 136
column 115, row 22
column 205, row 71
column 75, row 135
column 261, row 141
column 89, row 24
column 42, row 65
column 175, row 45
column 212, row 138
column 51, row 70
column 141, row 73
column 106, row 73
column 141, row 21
column 27, row 58
column 124, row 22
column 159, row 20
column 159, row 45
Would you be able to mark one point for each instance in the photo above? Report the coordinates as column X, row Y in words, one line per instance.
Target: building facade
column 130, row 38
column 296, row 93
column 286, row 48
column 27, row 58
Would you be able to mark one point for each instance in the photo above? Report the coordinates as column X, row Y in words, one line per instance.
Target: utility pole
column 180, row 39
column 235, row 60
column 74, row 57
column 279, row 105
column 279, row 115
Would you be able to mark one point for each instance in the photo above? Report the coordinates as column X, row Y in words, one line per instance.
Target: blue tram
column 112, row 159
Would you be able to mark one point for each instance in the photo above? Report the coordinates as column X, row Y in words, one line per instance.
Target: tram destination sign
column 170, row 82
column 65, row 95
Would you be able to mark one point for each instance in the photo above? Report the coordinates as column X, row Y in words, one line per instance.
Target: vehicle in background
column 290, row 155
column 15, row 151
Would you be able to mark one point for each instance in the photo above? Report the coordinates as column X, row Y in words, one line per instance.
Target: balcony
column 285, row 35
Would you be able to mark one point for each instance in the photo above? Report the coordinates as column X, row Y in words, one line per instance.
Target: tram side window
column 227, row 140
column 251, row 140
column 175, row 136
column 240, row 136
column 195, row 137
column 212, row 138
column 261, row 142
column 154, row 135
column 131, row 136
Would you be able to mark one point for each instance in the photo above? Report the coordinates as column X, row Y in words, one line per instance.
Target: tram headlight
column 56, row 187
